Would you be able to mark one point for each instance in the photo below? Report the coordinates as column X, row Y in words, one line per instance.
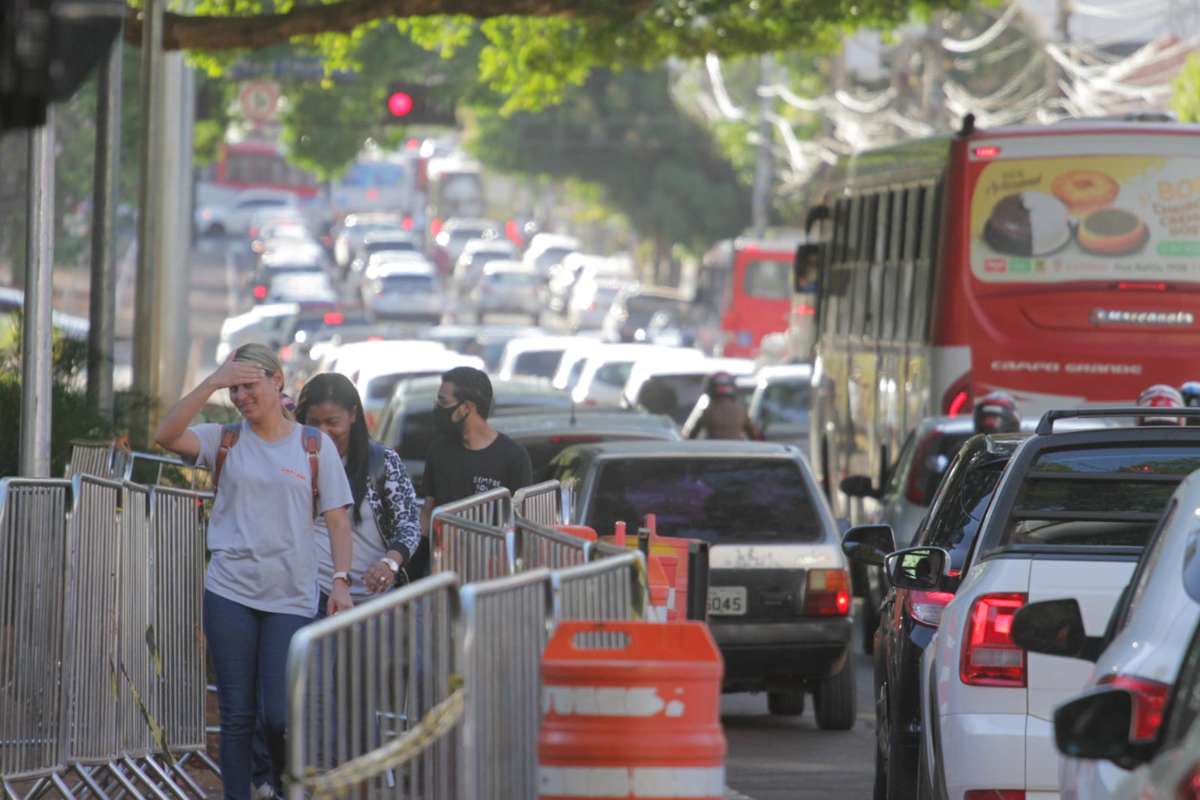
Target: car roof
column 455, row 224
column 370, row 218
column 514, row 387
column 689, row 448
column 396, row 235
column 785, row 371
column 507, row 266
column 547, row 240
column 292, row 251
column 528, row 344
column 401, row 266
column 599, row 422
column 484, row 245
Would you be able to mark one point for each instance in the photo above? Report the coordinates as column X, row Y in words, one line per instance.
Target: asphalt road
column 789, row 758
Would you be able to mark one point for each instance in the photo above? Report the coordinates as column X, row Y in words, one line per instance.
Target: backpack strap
column 229, row 437
column 312, row 446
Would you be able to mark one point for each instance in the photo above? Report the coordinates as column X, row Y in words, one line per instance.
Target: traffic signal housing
column 416, row 104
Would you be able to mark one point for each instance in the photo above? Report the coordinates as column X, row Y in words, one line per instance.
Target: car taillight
column 253, row 232
column 407, row 223
column 916, row 488
column 989, row 656
column 1189, row 787
column 957, row 399
column 285, row 354
column 260, row 292
column 926, row 608
column 994, row 794
column 334, row 318
column 1149, row 703
column 827, row 593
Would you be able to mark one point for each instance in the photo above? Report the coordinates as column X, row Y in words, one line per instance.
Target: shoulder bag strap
column 229, row 437
column 312, row 446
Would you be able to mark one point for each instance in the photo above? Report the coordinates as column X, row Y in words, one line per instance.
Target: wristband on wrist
column 344, row 576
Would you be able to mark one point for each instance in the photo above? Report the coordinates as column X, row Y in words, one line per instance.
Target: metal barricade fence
column 137, row 561
column 472, row 550
column 494, row 508
column 539, row 503
column 98, row 458
column 175, row 638
column 92, row 639
column 33, row 549
column 505, row 626
column 612, row 587
column 374, row 698
column 539, row 546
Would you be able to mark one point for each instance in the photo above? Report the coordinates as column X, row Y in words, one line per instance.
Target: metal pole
column 761, row 209
column 150, row 217
column 36, row 330
column 103, row 299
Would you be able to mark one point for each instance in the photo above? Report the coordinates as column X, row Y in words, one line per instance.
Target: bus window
column 926, row 253
column 904, row 293
column 767, row 279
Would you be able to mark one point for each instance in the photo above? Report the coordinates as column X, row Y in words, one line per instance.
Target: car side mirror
column 869, row 544
column 920, row 568
column 1099, row 726
column 858, row 486
column 1055, row 628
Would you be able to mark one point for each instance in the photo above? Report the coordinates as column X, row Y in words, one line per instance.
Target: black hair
column 332, row 387
column 471, row 385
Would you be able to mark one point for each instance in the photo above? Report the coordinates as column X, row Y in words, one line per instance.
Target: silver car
column 508, row 288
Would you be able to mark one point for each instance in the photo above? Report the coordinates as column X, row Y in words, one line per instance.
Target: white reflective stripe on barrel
column 638, row 782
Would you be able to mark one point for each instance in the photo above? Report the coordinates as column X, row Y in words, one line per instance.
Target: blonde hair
column 265, row 357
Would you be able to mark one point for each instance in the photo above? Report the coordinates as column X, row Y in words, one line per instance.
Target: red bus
column 1059, row 263
column 746, row 285
column 260, row 165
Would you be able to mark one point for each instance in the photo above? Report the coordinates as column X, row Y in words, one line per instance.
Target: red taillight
column 334, row 318
column 260, row 292
column 989, row 656
column 1189, row 787
column 916, row 488
column 804, row 310
column 407, row 223
column 253, row 232
column 1149, row 703
column 1131, row 286
column 994, row 794
column 926, row 608
column 957, row 399
column 827, row 593
column 286, row 353
column 435, row 227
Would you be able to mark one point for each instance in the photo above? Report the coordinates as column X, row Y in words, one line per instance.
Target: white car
column 590, row 300
column 234, row 219
column 1142, row 648
column 574, row 359
column 508, row 288
column 404, row 290
column 356, row 227
column 533, row 357
column 668, row 385
column 376, row 368
column 779, row 406
column 547, row 250
column 603, row 377
column 268, row 324
column 1069, row 519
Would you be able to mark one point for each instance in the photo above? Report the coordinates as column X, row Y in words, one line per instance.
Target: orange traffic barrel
column 579, row 532
column 631, row 710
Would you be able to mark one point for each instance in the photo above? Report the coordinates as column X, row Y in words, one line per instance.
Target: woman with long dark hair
column 385, row 518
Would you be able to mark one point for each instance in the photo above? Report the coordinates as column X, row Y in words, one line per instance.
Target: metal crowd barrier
column 33, row 585
column 375, row 696
column 540, row 546
column 540, row 503
column 494, row 509
column 505, row 628
column 472, row 550
column 102, row 459
column 610, row 587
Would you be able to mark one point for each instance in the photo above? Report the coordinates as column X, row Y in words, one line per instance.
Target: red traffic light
column 400, row 104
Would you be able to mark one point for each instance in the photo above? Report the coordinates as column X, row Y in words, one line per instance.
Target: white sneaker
column 264, row 792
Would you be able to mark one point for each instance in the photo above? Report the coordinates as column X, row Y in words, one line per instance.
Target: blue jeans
column 249, row 653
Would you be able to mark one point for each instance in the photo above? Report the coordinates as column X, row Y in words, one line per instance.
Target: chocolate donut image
column 1112, row 232
column 1028, row 224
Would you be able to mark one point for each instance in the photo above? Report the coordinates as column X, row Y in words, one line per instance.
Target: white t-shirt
column 368, row 548
column 260, row 535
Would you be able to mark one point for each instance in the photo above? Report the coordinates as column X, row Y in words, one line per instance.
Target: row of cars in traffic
column 1036, row 635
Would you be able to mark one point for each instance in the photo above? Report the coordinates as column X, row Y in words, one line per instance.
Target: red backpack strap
column 312, row 446
column 229, row 437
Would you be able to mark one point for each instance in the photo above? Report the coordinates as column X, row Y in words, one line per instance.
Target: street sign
column 259, row 100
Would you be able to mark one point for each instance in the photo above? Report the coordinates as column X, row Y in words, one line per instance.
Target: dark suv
column 909, row 617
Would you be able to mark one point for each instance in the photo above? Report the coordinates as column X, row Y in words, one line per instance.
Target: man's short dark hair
column 471, row 385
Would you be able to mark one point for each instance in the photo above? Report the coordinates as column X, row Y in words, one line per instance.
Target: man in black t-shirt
column 468, row 456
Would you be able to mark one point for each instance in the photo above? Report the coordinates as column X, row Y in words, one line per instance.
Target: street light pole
column 36, row 330
column 103, row 300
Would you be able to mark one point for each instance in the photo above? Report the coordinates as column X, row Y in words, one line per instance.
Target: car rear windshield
column 514, row 279
column 721, row 501
column 396, row 284
column 673, row 395
column 1104, row 496
column 642, row 307
column 538, row 363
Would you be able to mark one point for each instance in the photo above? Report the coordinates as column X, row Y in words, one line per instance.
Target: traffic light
column 47, row 50
column 415, row 104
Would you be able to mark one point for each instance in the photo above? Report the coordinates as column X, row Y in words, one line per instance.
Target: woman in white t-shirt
column 261, row 583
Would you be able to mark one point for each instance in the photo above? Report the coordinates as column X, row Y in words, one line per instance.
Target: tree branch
column 183, row 32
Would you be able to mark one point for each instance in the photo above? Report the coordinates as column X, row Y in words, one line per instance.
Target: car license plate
column 727, row 600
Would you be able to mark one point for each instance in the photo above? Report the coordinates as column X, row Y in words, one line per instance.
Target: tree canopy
column 1186, row 100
